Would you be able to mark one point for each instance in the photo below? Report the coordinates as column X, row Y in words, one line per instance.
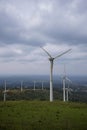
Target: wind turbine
column 43, row 84
column 21, row 86
column 65, row 90
column 68, row 89
column 5, row 92
column 51, row 59
column 34, row 85
column 64, row 84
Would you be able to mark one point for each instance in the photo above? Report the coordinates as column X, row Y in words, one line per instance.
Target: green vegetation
column 30, row 94
column 42, row 115
column 42, row 95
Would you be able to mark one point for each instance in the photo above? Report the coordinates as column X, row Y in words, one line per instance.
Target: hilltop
column 42, row 115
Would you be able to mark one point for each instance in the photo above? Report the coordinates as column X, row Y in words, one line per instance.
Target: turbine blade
column 46, row 52
column 62, row 53
column 64, row 70
column 68, row 79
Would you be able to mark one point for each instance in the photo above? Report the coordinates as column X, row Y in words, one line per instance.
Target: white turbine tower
column 34, row 85
column 42, row 84
column 68, row 89
column 5, row 92
column 51, row 59
column 64, row 85
column 65, row 89
column 67, row 94
column 21, row 86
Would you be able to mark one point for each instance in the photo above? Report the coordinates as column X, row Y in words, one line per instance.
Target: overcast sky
column 56, row 25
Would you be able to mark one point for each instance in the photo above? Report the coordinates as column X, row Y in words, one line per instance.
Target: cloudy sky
column 55, row 25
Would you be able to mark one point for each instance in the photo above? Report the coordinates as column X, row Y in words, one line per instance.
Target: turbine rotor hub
column 51, row 59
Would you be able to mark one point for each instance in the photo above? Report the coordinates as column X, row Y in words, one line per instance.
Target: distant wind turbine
column 5, row 92
column 21, row 86
column 65, row 89
column 51, row 59
column 34, row 85
column 43, row 84
column 64, row 84
column 68, row 89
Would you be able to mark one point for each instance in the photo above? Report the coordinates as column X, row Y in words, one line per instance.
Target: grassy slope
column 42, row 115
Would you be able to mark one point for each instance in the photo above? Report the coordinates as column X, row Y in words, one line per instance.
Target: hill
column 42, row 115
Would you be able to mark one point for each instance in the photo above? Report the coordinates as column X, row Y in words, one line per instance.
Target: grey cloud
column 27, row 24
column 65, row 22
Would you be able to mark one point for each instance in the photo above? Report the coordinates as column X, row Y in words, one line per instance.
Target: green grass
column 42, row 115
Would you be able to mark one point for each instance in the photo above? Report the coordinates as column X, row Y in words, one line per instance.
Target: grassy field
column 42, row 115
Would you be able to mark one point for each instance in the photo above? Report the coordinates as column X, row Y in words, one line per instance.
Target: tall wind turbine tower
column 51, row 59
column 64, row 84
